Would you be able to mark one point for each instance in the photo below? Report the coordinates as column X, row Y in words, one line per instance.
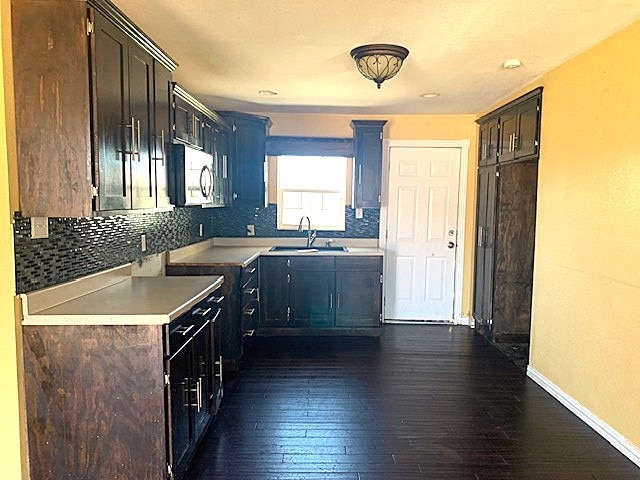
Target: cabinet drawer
column 250, row 292
column 249, row 271
column 249, row 317
column 359, row 263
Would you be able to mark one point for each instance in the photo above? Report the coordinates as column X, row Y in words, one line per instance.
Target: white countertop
column 124, row 300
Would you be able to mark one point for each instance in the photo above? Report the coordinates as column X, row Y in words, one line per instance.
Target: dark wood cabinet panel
column 52, row 107
column 368, row 162
column 274, row 291
column 95, row 401
column 515, row 239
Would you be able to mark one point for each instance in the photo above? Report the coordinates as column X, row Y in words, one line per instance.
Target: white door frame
column 463, row 145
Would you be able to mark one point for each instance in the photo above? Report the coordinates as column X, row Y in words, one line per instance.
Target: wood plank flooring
column 422, row 402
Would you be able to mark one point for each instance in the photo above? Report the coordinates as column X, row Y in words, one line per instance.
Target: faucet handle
column 329, row 242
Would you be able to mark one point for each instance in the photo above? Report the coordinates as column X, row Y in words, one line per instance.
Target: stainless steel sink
column 297, row 248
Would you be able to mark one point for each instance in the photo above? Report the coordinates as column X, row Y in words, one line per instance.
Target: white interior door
column 422, row 233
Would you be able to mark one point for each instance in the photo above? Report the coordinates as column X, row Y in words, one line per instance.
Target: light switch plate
column 39, row 227
column 143, row 242
column 251, row 230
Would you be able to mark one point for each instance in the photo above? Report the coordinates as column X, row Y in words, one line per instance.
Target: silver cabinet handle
column 331, row 301
column 480, row 235
column 253, row 270
column 250, row 291
column 337, row 301
column 224, row 166
column 139, row 144
column 214, row 299
column 360, row 174
column 162, row 146
column 201, row 312
column 183, row 330
column 515, row 140
column 249, row 311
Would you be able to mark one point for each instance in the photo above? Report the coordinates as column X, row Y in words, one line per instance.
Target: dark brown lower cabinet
column 121, row 401
column 239, row 302
column 504, row 250
column 320, row 294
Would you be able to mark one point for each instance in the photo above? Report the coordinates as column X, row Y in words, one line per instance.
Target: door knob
column 451, row 244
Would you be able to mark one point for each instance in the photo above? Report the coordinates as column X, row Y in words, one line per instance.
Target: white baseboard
column 465, row 321
column 611, row 435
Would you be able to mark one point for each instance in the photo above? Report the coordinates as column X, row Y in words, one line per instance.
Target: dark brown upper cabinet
column 247, row 149
column 86, row 118
column 520, row 131
column 368, row 162
column 196, row 125
column 489, row 132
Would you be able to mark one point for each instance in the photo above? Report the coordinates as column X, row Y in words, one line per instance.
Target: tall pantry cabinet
column 509, row 144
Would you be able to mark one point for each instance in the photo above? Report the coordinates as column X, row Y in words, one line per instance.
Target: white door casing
column 422, row 213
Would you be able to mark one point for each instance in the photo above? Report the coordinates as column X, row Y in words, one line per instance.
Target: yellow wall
column 10, row 459
column 400, row 127
column 586, row 295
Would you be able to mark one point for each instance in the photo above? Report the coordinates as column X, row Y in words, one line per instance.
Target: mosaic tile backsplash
column 81, row 246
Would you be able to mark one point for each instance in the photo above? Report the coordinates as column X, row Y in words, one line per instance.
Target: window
column 314, row 187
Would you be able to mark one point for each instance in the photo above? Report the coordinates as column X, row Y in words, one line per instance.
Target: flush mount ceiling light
column 379, row 62
column 430, row 95
column 512, row 63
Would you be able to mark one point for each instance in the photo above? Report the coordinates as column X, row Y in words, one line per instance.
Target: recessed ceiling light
column 512, row 63
column 430, row 95
column 267, row 93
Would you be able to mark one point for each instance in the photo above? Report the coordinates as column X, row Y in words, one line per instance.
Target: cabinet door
column 508, row 129
column 485, row 240
column 248, row 152
column 181, row 428
column 368, row 163
column 141, row 113
column 162, row 132
column 488, row 143
column 221, row 189
column 312, row 297
column 202, row 383
column 274, row 291
column 182, row 118
column 358, row 298
column 528, row 129
column 249, row 162
column 114, row 130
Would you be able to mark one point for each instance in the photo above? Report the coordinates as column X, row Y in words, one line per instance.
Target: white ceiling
column 228, row 50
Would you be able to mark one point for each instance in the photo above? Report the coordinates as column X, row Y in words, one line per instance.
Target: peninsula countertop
column 120, row 300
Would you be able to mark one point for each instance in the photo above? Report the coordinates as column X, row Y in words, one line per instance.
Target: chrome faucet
column 311, row 234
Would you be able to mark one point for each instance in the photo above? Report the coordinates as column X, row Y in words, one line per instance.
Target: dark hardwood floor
column 422, row 402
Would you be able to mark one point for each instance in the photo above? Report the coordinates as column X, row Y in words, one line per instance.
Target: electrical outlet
column 200, row 229
column 143, row 242
column 39, row 227
column 251, row 230
column 359, row 213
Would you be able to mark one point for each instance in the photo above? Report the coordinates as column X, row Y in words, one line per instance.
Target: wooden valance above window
column 310, row 146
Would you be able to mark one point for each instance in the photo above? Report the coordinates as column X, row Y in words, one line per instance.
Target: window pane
column 313, row 187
